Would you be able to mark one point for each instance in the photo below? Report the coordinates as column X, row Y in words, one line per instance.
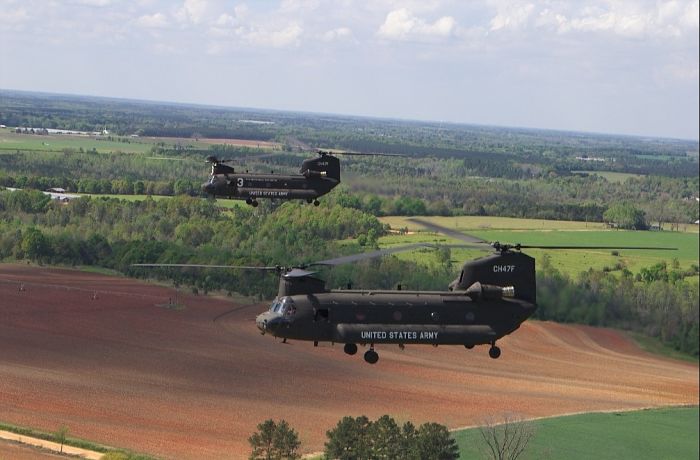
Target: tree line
column 359, row 438
column 379, row 186
column 658, row 301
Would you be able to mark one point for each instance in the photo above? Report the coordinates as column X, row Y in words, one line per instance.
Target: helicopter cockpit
column 213, row 184
column 284, row 306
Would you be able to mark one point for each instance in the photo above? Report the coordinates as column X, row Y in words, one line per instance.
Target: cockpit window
column 287, row 307
column 284, row 306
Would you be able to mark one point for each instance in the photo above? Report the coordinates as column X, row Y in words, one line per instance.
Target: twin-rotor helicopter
column 489, row 299
column 317, row 176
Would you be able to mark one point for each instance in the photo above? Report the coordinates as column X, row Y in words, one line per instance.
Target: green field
column 11, row 142
column 468, row 223
column 670, row 433
column 552, row 233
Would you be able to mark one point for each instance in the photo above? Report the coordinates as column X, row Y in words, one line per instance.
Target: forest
column 447, row 170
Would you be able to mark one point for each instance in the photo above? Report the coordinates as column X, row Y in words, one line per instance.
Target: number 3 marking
column 239, row 182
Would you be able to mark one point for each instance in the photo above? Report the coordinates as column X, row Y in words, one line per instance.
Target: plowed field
column 104, row 357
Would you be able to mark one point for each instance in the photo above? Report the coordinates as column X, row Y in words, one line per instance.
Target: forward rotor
column 476, row 242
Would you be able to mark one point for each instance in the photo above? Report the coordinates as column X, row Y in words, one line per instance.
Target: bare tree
column 60, row 435
column 506, row 439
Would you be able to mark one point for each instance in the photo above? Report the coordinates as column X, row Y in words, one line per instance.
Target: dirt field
column 123, row 370
column 244, row 143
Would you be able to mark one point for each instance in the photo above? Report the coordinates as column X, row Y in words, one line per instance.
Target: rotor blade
column 371, row 255
column 298, row 273
column 331, row 152
column 241, row 267
column 524, row 246
column 213, row 159
column 448, row 232
column 256, row 157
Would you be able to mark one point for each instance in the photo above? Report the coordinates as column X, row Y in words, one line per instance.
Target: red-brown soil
column 14, row 451
column 193, row 384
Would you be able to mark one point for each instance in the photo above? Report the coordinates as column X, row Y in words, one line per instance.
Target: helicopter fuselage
column 250, row 187
column 363, row 317
column 489, row 299
column 317, row 176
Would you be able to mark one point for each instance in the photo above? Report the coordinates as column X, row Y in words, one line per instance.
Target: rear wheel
column 316, row 202
column 494, row 352
column 371, row 356
column 350, row 348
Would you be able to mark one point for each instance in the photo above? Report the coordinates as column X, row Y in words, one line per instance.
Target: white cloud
column 93, row 2
column 193, row 11
column 153, row 21
column 691, row 16
column 279, row 38
column 511, row 16
column 225, row 20
column 627, row 19
column 339, row 34
column 13, row 17
column 401, row 24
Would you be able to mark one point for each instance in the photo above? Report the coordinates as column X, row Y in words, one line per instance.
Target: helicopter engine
column 504, row 269
column 322, row 166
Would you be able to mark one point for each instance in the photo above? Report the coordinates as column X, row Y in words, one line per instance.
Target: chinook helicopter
column 317, row 176
column 490, row 298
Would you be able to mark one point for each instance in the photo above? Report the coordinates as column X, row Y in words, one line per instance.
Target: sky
column 622, row 67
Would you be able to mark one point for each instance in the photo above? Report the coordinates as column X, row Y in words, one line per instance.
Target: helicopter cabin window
column 320, row 314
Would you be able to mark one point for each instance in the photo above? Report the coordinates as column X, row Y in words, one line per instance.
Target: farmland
column 554, row 233
column 187, row 383
column 644, row 435
column 12, row 142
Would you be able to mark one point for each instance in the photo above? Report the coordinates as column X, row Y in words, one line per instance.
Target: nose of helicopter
column 267, row 322
column 208, row 188
column 261, row 322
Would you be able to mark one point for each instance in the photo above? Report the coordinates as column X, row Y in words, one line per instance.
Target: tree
column 360, row 438
column 34, row 244
column 348, row 440
column 274, row 441
column 434, row 442
column 624, row 215
column 508, row 439
column 385, row 438
column 60, row 436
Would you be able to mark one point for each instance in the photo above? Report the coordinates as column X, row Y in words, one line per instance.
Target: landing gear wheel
column 350, row 348
column 494, row 352
column 371, row 356
column 309, row 200
column 249, row 201
column 316, row 202
column 255, row 204
column 468, row 346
